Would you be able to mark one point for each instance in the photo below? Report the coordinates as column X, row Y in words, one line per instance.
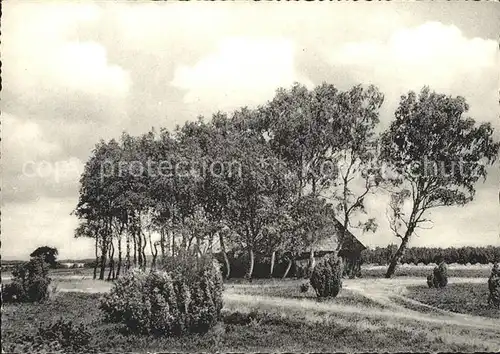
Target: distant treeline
column 425, row 255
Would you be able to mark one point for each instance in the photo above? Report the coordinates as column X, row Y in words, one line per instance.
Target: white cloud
column 432, row 54
column 33, row 164
column 30, row 225
column 84, row 66
column 23, row 140
column 242, row 71
column 55, row 60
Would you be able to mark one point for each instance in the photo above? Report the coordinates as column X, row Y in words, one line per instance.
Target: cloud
column 23, row 140
column 242, row 71
column 57, row 92
column 46, row 221
column 33, row 164
column 432, row 54
column 56, row 67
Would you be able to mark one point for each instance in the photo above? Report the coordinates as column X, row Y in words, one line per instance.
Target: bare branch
column 422, row 227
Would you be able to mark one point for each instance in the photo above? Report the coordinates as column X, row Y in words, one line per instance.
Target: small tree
column 184, row 297
column 48, row 254
column 326, row 278
column 494, row 286
column 430, row 132
column 30, row 282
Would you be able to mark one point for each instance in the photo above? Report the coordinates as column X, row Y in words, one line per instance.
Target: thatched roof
column 327, row 245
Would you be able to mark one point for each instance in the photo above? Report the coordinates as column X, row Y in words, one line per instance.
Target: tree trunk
column 184, row 244
column 167, row 244
column 198, row 245
column 162, row 242
column 224, row 254
column 96, row 256
column 273, row 259
column 173, row 243
column 143, row 251
column 119, row 257
column 139, row 248
column 111, row 261
column 134, row 236
column 397, row 256
column 312, row 262
column 288, row 268
column 250, row 264
column 155, row 254
column 211, row 242
column 151, row 250
column 104, row 254
column 128, row 250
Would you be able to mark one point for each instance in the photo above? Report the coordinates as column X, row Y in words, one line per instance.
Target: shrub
column 494, row 286
column 430, row 281
column 304, row 287
column 58, row 337
column 439, row 276
column 30, row 282
column 184, row 297
column 68, row 335
column 12, row 292
column 326, row 278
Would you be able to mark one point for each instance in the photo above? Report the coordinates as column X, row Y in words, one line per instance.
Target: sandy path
column 329, row 307
column 451, row 328
column 383, row 291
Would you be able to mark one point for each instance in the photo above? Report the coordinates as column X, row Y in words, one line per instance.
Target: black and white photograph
column 250, row 176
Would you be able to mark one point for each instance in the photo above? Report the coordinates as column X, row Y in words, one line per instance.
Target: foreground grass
column 465, row 298
column 243, row 329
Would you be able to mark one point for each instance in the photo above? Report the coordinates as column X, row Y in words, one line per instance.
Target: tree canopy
column 271, row 179
column 48, row 254
column 437, row 155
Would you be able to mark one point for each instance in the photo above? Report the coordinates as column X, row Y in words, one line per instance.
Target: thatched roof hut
column 351, row 246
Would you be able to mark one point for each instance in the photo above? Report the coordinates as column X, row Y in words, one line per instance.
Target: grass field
column 405, row 270
column 461, row 298
column 274, row 315
column 243, row 329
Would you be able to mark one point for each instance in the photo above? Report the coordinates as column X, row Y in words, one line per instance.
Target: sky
column 74, row 73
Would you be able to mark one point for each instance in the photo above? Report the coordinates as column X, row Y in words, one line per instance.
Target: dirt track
column 447, row 326
column 381, row 291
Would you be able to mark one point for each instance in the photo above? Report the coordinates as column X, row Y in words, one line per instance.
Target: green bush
column 439, row 276
column 12, row 292
column 68, row 335
column 58, row 337
column 304, row 287
column 326, row 278
column 30, row 282
column 430, row 281
column 494, row 286
column 185, row 296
